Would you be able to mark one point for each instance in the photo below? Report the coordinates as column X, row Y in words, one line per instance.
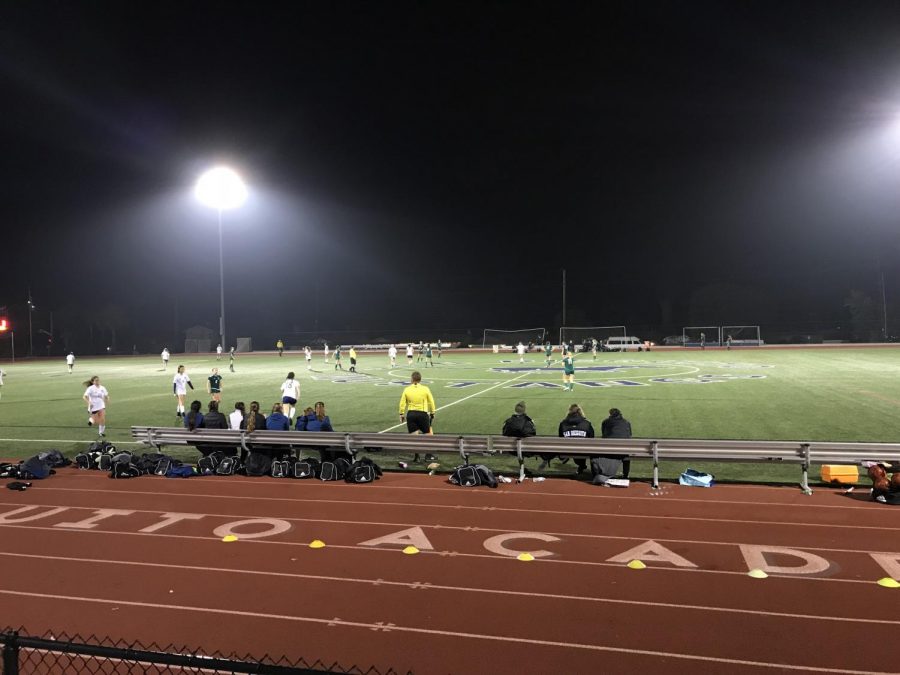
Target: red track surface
column 461, row 607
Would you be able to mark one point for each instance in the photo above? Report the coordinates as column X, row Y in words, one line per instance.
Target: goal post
column 580, row 335
column 697, row 336
column 510, row 338
column 742, row 335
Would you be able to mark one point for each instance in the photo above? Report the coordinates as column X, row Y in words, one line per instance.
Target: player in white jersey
column 520, row 350
column 218, row 352
column 165, row 357
column 290, row 394
column 97, row 398
column 409, row 354
column 392, row 352
column 180, row 383
column 307, row 352
column 70, row 361
column 326, row 352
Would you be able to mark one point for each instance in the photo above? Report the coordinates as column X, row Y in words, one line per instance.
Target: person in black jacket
column 213, row 419
column 616, row 426
column 519, row 425
column 575, row 425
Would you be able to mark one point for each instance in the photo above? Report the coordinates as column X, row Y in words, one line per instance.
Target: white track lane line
column 442, row 633
column 465, row 589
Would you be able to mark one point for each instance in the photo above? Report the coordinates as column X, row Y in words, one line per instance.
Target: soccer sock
column 102, row 428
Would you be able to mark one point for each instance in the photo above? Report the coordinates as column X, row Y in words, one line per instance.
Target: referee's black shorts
column 418, row 420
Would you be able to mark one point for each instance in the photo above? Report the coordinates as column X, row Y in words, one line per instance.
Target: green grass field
column 795, row 394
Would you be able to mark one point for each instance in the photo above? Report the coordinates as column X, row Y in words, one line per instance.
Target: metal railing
column 803, row 453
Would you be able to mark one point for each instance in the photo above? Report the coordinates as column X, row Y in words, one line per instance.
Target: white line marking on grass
column 440, row 633
column 442, row 587
column 393, row 551
column 465, row 398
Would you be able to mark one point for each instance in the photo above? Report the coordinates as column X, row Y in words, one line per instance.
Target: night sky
column 435, row 165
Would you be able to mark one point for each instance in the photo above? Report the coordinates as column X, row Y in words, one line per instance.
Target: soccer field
column 798, row 394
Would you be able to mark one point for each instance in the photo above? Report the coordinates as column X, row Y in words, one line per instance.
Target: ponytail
column 251, row 421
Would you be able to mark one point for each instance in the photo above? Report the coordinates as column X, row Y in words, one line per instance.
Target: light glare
column 221, row 188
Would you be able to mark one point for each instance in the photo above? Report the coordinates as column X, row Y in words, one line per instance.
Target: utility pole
column 564, row 297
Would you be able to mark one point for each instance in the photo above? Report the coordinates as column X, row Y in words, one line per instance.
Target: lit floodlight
column 221, row 188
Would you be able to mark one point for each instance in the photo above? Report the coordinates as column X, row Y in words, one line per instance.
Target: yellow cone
column 525, row 557
column 637, row 565
column 229, row 537
column 757, row 574
column 887, row 582
column 410, row 550
column 317, row 543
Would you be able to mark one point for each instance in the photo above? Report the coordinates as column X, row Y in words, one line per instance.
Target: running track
column 144, row 560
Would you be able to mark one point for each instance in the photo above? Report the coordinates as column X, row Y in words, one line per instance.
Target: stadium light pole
column 222, row 189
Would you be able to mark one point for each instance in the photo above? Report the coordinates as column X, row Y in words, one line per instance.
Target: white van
column 622, row 344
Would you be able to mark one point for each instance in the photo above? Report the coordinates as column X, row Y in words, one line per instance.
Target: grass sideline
column 800, row 394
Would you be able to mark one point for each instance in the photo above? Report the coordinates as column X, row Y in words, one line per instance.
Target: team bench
column 769, row 452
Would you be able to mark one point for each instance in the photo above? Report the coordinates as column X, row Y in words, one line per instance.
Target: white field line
column 465, row 589
column 466, row 398
column 451, row 554
column 442, row 633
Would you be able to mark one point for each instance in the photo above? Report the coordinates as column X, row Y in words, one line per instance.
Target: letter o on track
column 272, row 527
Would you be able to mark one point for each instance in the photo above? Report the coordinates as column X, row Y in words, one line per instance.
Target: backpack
column 472, row 475
column 206, row 466
column 124, row 470
column 335, row 470
column 282, row 468
column 162, row 467
column 54, row 458
column 9, row 470
column 184, row 471
column 34, row 467
column 363, row 471
column 228, row 466
column 307, row 468
column 258, row 464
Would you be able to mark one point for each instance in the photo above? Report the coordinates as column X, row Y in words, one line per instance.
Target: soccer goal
column 494, row 337
column 581, row 336
column 742, row 335
column 698, row 336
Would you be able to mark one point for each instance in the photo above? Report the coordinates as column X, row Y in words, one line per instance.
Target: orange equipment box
column 839, row 473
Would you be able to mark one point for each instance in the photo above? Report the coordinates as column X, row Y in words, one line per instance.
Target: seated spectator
column 252, row 421
column 237, row 416
column 575, row 425
column 616, row 426
column 317, row 420
column 314, row 420
column 194, row 418
column 519, row 425
column 213, row 418
column 278, row 421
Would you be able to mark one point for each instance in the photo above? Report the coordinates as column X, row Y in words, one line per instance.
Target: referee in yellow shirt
column 417, row 408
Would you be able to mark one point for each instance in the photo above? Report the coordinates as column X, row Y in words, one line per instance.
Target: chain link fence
column 53, row 654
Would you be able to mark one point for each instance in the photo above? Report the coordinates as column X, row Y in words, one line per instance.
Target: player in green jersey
column 214, row 385
column 569, row 371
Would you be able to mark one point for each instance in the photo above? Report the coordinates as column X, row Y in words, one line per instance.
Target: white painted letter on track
column 496, row 544
column 91, row 523
column 757, row 557
column 414, row 536
column 651, row 552
column 8, row 516
column 889, row 562
column 171, row 519
column 274, row 525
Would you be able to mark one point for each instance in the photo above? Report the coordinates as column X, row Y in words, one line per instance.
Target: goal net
column 494, row 337
column 742, row 335
column 582, row 336
column 696, row 336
